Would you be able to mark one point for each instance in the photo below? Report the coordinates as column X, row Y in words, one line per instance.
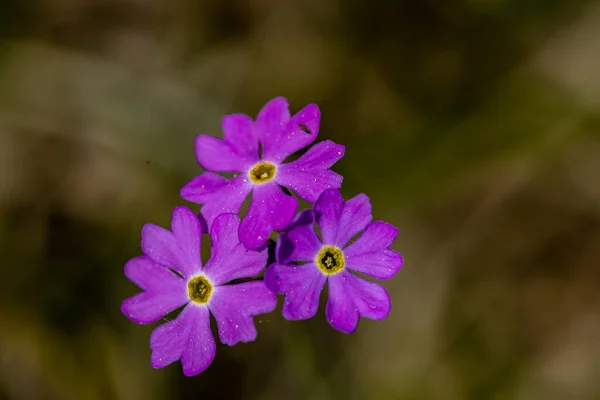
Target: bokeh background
column 473, row 125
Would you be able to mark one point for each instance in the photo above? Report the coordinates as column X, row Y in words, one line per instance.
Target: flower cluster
column 238, row 282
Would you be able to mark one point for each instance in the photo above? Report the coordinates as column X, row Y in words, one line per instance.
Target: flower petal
column 146, row 308
column 382, row 264
column 328, row 209
column 301, row 285
column 161, row 246
column 218, row 195
column 168, row 340
column 179, row 249
column 164, row 291
column 350, row 296
column 370, row 253
column 200, row 350
column 378, row 235
column 150, row 276
column 185, row 226
column 187, row 337
column 356, row 215
column 309, row 175
column 233, row 307
column 270, row 209
column 270, row 125
column 239, row 132
column 217, row 155
column 298, row 133
column 229, row 258
column 300, row 241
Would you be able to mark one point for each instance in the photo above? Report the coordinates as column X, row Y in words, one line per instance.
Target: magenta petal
column 233, row 307
column 270, row 209
column 239, row 132
column 300, row 241
column 201, row 347
column 309, row 175
column 271, row 123
column 168, row 340
column 370, row 253
column 341, row 312
column 149, row 275
column 381, row 264
column 163, row 291
column 328, row 209
column 187, row 337
column 219, row 156
column 185, row 226
column 179, row 249
column 229, row 258
column 378, row 235
column 356, row 215
column 218, row 195
column 161, row 246
column 146, row 308
column 298, row 133
column 301, row 285
column 351, row 297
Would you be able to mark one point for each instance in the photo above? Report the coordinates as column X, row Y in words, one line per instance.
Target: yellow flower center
column 199, row 289
column 330, row 260
column 262, row 172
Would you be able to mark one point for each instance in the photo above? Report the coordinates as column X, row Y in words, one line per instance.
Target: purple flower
column 171, row 275
column 331, row 259
column 263, row 174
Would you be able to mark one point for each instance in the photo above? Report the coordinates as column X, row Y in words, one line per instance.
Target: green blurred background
column 473, row 125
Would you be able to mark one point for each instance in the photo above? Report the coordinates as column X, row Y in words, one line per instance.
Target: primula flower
column 171, row 275
column 331, row 259
column 280, row 135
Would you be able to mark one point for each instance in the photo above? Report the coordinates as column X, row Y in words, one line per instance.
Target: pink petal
column 229, row 258
column 309, row 175
column 351, row 297
column 301, row 285
column 270, row 209
column 233, row 307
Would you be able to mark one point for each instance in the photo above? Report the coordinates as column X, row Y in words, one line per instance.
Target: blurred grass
column 472, row 126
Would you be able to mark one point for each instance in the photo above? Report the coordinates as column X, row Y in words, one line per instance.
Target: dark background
column 473, row 125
